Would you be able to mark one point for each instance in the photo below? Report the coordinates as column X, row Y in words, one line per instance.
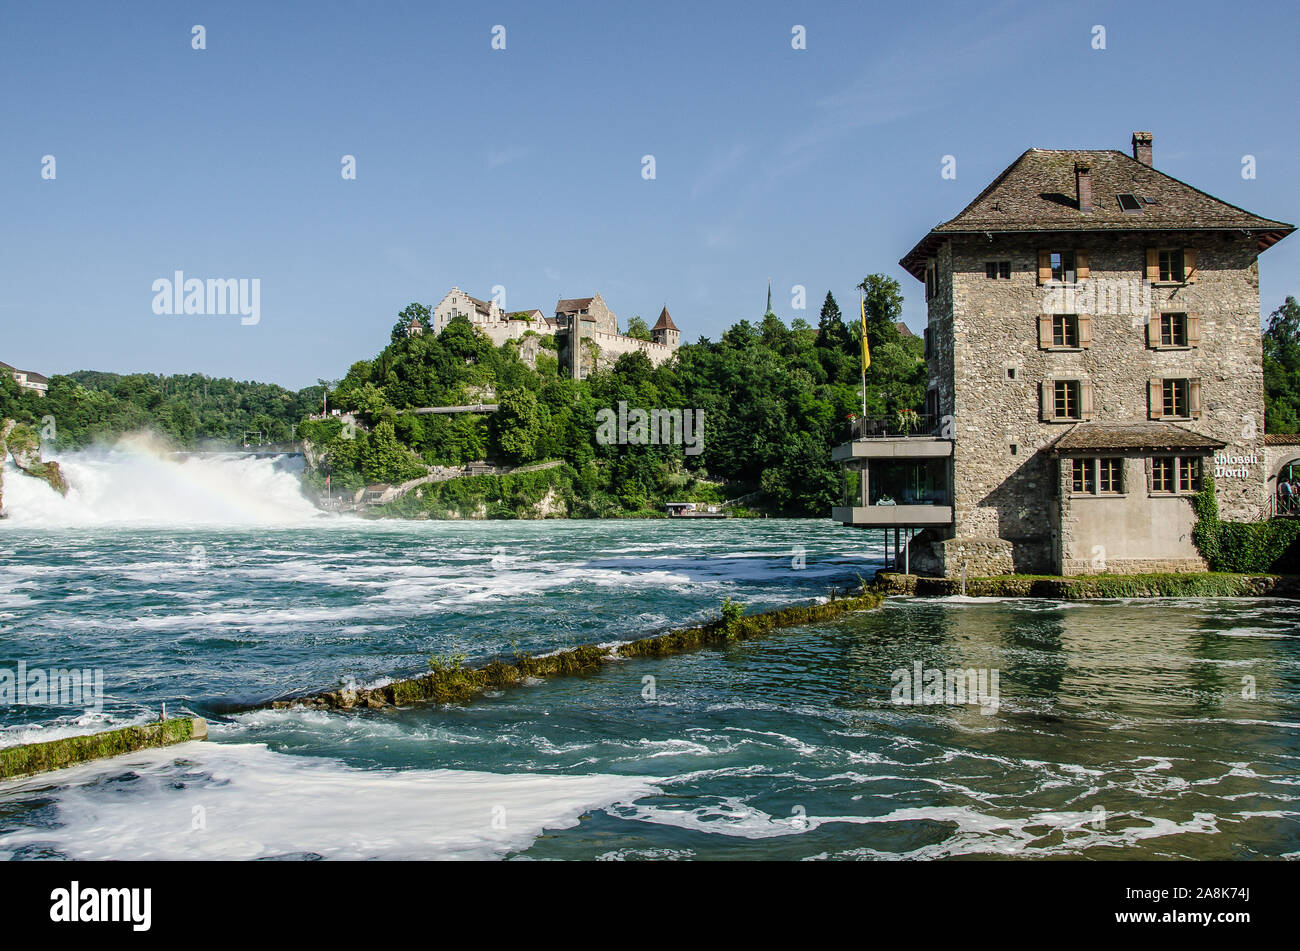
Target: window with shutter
column 1065, row 331
column 1194, row 398
column 1044, row 267
column 1173, row 330
column 1171, row 268
column 1085, row 330
column 1193, row 330
column 1155, row 399
column 1153, row 265
column 1085, row 400
column 1189, row 265
column 1045, row 331
column 1045, row 401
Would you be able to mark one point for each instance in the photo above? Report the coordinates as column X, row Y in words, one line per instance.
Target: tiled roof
column 32, row 375
column 1090, row 437
column 573, row 305
column 1282, row 439
column 482, row 306
column 1038, row 192
column 903, row 329
column 665, row 321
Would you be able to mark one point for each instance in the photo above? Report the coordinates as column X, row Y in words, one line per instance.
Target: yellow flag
column 866, row 350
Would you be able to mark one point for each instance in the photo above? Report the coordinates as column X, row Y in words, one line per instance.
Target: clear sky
column 522, row 167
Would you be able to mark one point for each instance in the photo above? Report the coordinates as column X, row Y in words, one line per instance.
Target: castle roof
column 1153, row 435
column 665, row 321
column 1038, row 193
column 573, row 305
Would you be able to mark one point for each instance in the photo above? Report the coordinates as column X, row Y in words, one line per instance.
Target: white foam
column 245, row 802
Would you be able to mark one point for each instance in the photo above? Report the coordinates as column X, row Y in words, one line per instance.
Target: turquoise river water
column 1121, row 729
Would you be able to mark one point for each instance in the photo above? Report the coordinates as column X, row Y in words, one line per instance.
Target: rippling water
column 1123, row 729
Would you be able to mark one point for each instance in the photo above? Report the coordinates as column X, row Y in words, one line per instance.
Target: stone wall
column 1126, row 532
column 944, row 557
column 984, row 328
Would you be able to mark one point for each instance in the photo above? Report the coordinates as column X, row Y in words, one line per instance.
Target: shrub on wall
column 1244, row 547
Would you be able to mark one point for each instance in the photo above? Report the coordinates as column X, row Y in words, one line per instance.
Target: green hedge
column 1243, row 547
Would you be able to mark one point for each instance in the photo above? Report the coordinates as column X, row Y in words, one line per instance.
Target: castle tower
column 665, row 331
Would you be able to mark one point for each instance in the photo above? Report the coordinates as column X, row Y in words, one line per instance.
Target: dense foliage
column 774, row 398
column 1244, row 547
column 88, row 406
column 1282, row 369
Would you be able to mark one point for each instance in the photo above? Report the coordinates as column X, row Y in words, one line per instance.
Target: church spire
column 770, row 312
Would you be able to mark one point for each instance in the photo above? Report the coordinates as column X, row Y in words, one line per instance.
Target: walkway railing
column 898, row 424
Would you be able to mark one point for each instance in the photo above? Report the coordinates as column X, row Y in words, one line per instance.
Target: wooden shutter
column 1045, row 331
column 1193, row 331
column 1085, row 399
column 1081, row 269
column 1045, row 404
column 1085, row 330
column 1153, row 331
column 1044, row 267
column 1155, row 399
column 1153, row 265
column 1189, row 265
column 1194, row 398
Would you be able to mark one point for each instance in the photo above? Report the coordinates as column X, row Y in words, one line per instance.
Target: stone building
column 1094, row 348
column 593, row 327
column 596, row 327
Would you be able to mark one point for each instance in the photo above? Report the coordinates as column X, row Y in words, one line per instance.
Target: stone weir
column 450, row 682
column 34, row 758
column 22, row 443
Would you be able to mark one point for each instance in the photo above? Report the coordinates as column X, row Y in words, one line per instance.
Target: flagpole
column 862, row 309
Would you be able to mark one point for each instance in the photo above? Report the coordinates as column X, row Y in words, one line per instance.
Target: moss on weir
column 56, row 754
column 449, row 682
column 1085, row 587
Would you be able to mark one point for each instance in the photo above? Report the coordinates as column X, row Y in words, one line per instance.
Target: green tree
column 831, row 331
column 1282, row 369
column 638, row 328
column 411, row 312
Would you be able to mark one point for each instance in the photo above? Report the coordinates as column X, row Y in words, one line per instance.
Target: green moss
column 1085, row 587
column 450, row 682
column 56, row 754
column 24, row 438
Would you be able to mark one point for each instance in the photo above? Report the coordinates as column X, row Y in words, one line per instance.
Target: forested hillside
column 89, row 407
column 774, row 398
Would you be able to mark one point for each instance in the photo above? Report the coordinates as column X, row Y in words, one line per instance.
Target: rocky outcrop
column 22, row 443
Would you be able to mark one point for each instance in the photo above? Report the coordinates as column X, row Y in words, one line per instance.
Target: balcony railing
column 1284, row 506
column 895, row 425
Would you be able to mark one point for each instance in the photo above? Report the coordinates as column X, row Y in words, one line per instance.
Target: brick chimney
column 1083, row 182
column 1142, row 147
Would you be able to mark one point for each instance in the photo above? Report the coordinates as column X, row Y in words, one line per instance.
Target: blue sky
column 522, row 167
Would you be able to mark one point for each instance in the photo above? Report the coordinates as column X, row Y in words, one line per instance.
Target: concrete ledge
column 33, row 758
column 890, row 516
column 893, row 447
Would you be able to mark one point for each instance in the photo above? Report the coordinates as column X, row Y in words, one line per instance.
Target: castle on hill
column 586, row 320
